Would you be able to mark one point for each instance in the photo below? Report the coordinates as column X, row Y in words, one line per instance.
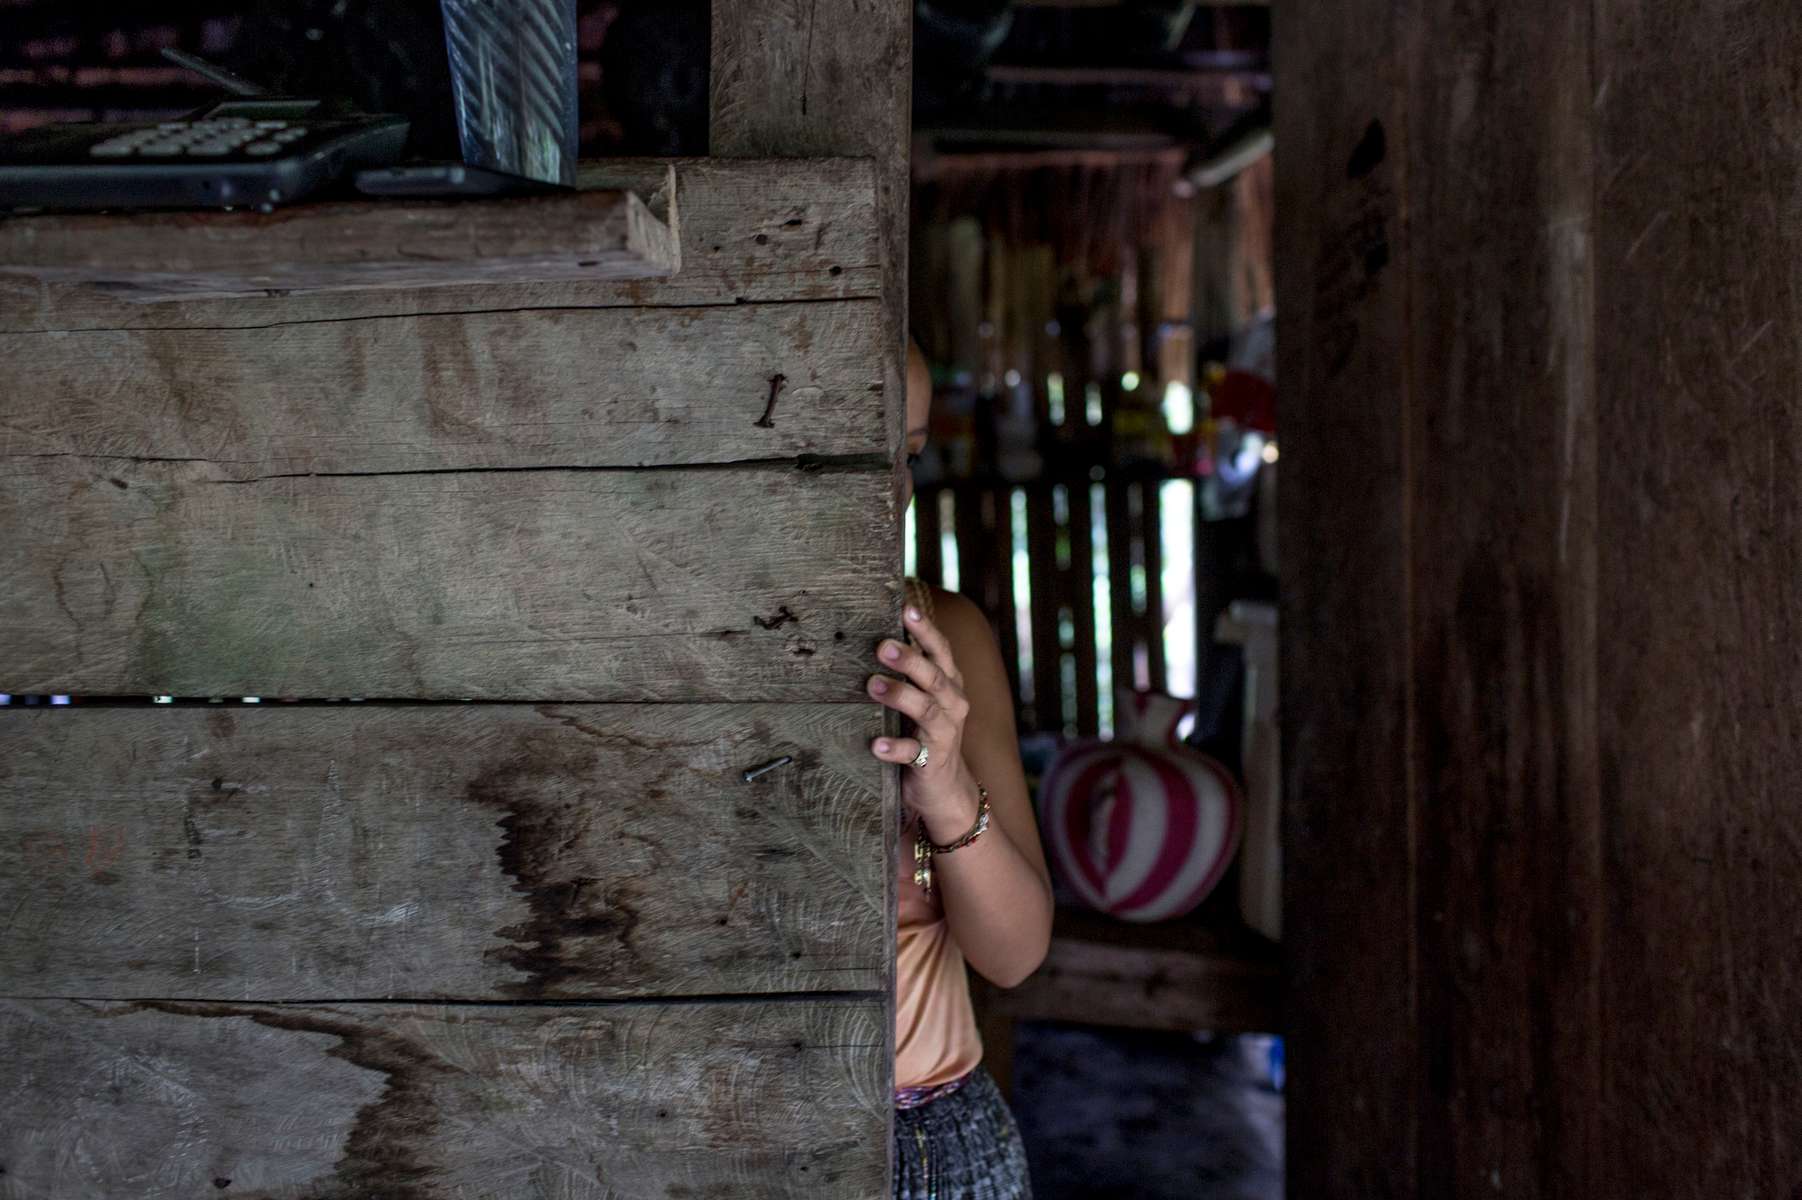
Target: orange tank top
column 935, row 1026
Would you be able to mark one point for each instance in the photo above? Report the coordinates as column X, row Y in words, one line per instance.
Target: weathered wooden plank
column 527, row 388
column 1699, row 296
column 348, row 245
column 1501, row 466
column 479, row 852
column 145, row 577
column 1349, row 918
column 752, row 230
column 155, row 1099
column 788, row 79
column 784, row 81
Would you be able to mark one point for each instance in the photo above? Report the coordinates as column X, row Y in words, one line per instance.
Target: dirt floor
column 1118, row 1114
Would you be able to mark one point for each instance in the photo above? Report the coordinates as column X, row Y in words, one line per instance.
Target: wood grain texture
column 1502, row 468
column 752, row 230
column 1349, row 829
column 146, row 577
column 1548, row 645
column 349, row 245
column 1699, row 296
column 798, row 77
column 460, row 852
column 565, row 387
column 787, row 79
column 155, row 1099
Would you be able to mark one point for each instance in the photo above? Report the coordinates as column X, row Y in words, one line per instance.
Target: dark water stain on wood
column 580, row 923
column 388, row 1151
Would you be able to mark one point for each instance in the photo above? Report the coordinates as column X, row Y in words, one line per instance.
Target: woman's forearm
column 996, row 904
column 996, row 894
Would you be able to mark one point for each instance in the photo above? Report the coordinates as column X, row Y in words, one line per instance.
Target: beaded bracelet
column 925, row 847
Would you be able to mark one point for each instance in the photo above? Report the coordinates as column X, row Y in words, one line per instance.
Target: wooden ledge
column 1192, row 973
column 603, row 231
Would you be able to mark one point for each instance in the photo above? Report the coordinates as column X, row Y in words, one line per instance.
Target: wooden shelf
column 617, row 225
column 1196, row 972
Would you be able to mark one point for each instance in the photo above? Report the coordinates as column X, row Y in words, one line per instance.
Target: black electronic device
column 252, row 150
column 437, row 180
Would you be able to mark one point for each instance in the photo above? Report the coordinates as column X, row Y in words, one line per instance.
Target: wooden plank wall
column 550, row 943
column 1542, row 693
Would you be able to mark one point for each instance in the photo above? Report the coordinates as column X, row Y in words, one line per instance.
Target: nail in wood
column 766, row 768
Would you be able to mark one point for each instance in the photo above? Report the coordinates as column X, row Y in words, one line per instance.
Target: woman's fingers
column 901, row 750
column 910, row 701
column 933, row 641
column 930, row 692
column 920, row 669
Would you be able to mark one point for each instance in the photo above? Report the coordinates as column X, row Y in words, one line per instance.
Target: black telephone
column 253, row 150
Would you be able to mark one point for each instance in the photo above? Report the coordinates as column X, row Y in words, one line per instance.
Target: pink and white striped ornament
column 1140, row 826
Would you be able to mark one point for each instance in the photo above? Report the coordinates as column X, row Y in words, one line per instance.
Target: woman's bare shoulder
column 954, row 609
column 972, row 638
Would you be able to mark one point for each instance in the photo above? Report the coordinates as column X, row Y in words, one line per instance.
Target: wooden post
column 791, row 80
column 1542, row 528
column 1698, row 532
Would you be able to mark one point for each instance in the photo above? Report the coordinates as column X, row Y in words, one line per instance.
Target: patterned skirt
column 961, row 1145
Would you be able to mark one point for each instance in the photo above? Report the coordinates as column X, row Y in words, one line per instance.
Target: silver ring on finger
column 921, row 757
